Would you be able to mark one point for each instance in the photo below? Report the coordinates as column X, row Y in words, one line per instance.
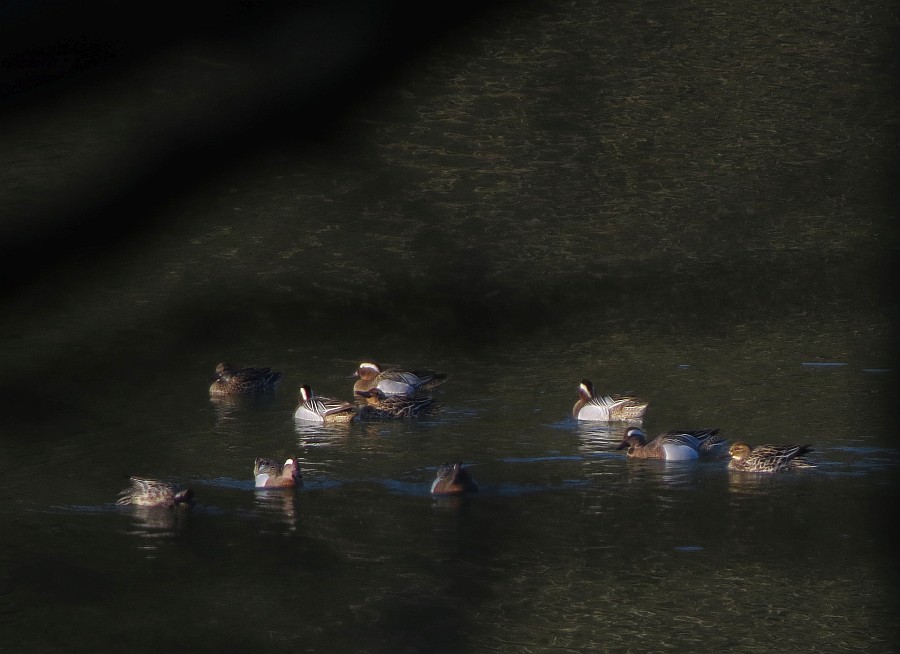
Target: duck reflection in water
column 278, row 504
column 227, row 407
column 598, row 438
column 320, row 434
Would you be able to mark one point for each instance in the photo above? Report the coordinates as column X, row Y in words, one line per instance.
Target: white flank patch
column 675, row 452
column 303, row 413
column 390, row 387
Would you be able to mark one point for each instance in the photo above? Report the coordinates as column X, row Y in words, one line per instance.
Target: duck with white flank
column 591, row 406
column 675, row 445
column 318, row 408
column 395, row 381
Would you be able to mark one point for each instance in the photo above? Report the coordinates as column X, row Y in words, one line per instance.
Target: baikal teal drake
column 230, row 381
column 319, row 408
column 769, row 458
column 395, row 381
column 154, row 493
column 610, row 408
column 674, row 445
column 268, row 473
column 379, row 405
column 453, row 479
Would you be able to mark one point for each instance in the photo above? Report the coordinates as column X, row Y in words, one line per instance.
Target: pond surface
column 687, row 202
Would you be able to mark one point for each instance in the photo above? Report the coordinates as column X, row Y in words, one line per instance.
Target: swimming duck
column 768, row 458
column 391, row 406
column 271, row 474
column 243, row 381
column 453, row 479
column 395, row 381
column 319, row 408
column 675, row 445
column 591, row 406
column 150, row 492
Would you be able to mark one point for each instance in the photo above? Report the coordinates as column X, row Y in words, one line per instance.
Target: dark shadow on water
column 316, row 61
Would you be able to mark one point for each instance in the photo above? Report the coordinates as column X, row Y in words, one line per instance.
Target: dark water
column 689, row 202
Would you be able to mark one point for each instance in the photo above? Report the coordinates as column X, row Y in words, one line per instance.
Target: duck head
column 453, row 479
column 586, row 389
column 739, row 451
column 184, row 497
column 366, row 371
column 634, row 437
column 372, row 396
column 291, row 469
column 223, row 372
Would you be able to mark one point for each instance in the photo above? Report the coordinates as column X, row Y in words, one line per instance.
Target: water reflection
column 601, row 437
column 451, row 503
column 158, row 522
column 321, row 434
column 373, row 429
column 668, row 474
column 279, row 504
column 758, row 483
column 227, row 407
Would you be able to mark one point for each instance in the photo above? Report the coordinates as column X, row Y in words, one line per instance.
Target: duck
column 591, row 406
column 154, row 493
column 769, row 458
column 395, row 381
column 242, row 381
column 675, row 445
column 318, row 408
column 453, row 479
column 381, row 405
column 268, row 473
